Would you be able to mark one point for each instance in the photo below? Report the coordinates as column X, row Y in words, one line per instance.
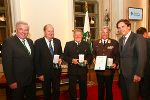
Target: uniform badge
column 100, row 41
column 109, row 41
column 110, row 47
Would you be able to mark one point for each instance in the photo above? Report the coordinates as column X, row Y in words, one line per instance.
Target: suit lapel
column 127, row 44
column 19, row 43
column 45, row 46
column 120, row 44
column 31, row 46
column 54, row 44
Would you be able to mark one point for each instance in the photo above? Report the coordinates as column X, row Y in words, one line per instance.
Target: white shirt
column 126, row 37
column 104, row 40
column 26, row 43
column 77, row 42
column 47, row 42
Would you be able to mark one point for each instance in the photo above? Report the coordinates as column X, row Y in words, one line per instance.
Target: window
column 79, row 16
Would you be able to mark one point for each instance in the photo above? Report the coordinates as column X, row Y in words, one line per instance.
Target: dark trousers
column 129, row 89
column 82, row 79
column 145, row 88
column 104, row 81
column 51, row 80
column 27, row 91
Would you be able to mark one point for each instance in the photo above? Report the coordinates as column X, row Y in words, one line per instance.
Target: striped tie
column 51, row 48
column 23, row 42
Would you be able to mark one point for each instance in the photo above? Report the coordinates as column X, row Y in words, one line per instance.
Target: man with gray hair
column 17, row 60
column 110, row 48
column 77, row 54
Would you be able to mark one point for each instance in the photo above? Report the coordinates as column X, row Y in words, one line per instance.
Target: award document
column 56, row 58
column 109, row 61
column 55, row 61
column 81, row 60
column 100, row 63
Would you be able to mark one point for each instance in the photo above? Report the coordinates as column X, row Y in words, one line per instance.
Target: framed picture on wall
column 135, row 13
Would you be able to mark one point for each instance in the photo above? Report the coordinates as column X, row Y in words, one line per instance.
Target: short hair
column 141, row 30
column 78, row 30
column 127, row 22
column 46, row 26
column 106, row 27
column 21, row 22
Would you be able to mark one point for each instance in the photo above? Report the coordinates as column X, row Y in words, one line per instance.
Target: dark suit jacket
column 17, row 63
column 133, row 56
column 72, row 50
column 147, row 68
column 111, row 50
column 43, row 58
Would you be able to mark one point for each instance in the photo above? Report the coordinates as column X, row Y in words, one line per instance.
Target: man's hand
column 85, row 61
column 136, row 78
column 59, row 61
column 75, row 61
column 41, row 77
column 113, row 66
column 13, row 85
column 94, row 60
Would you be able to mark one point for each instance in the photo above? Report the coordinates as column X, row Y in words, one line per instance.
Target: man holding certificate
column 106, row 59
column 47, row 62
column 77, row 53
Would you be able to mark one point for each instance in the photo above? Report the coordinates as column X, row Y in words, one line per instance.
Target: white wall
column 59, row 13
column 120, row 10
column 137, row 4
column 117, row 14
column 38, row 13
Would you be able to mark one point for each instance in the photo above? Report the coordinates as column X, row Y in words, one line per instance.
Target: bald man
column 45, row 49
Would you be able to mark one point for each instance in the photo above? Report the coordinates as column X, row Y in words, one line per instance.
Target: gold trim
column 100, row 41
column 109, row 41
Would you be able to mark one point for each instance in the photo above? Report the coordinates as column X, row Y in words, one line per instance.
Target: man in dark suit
column 145, row 82
column 17, row 60
column 45, row 50
column 77, row 69
column 110, row 48
column 132, row 49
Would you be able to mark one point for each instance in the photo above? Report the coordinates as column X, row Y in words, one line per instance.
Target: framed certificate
column 100, row 63
column 135, row 13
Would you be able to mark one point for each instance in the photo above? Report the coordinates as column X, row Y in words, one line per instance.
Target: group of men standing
column 24, row 61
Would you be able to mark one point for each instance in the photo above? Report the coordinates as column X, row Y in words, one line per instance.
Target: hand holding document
column 81, row 60
column 109, row 63
column 100, row 63
column 56, row 59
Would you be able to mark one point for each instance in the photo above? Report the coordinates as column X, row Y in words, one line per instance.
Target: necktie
column 23, row 42
column 51, row 48
column 104, row 43
column 123, row 43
